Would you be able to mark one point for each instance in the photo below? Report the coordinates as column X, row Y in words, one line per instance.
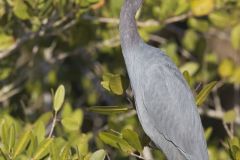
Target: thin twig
column 227, row 130
column 138, row 156
column 53, row 125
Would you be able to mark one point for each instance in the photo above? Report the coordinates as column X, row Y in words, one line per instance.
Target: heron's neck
column 128, row 28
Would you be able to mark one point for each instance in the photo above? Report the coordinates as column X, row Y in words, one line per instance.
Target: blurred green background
column 76, row 43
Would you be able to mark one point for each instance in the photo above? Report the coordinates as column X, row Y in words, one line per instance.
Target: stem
column 53, row 125
column 137, row 156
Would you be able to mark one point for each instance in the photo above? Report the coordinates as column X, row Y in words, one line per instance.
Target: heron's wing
column 170, row 106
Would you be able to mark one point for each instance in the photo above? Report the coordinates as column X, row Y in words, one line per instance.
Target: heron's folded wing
column 171, row 107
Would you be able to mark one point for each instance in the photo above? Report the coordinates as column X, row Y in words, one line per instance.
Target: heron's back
column 165, row 105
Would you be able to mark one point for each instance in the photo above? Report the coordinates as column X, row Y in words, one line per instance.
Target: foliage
column 76, row 43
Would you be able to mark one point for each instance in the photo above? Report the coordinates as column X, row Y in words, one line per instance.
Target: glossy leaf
column 133, row 139
column 59, row 98
column 11, row 138
column 190, row 40
column 39, row 131
column 187, row 77
column 225, row 68
column 208, row 132
column 98, row 155
column 6, row 41
column 22, row 143
column 43, row 149
column 190, row 67
column 20, row 9
column 201, row 7
column 116, row 141
column 73, row 122
column 113, row 83
column 198, row 24
column 202, row 96
column 109, row 109
column 220, row 19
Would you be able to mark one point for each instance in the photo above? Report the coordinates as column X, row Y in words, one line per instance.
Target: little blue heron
column 164, row 102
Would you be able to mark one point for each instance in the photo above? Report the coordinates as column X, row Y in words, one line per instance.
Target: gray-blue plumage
column 164, row 102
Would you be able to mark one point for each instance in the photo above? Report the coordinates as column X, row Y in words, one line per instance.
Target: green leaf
column 11, row 138
column 190, row 40
column 220, row 19
column 133, row 139
column 190, row 67
column 73, row 122
column 39, row 131
column 237, row 155
column 65, row 153
column 56, row 147
column 113, row 83
column 235, row 37
column 93, row 1
column 82, row 143
column 201, row 7
column 235, row 78
column 225, row 68
column 183, row 6
column 44, row 118
column 4, row 134
column 6, row 41
column 116, row 85
column 230, row 116
column 22, row 143
column 187, row 77
column 59, row 98
column 208, row 132
column 98, row 155
column 116, row 141
column 109, row 109
column 198, row 25
column 20, row 9
column 202, row 96
column 43, row 149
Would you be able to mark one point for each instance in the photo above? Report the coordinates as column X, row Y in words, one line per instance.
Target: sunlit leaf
column 202, row 96
column 109, row 109
column 98, row 155
column 22, row 143
column 230, row 116
column 113, row 83
column 201, row 7
column 199, row 25
column 187, row 77
column 39, row 131
column 235, row 37
column 182, row 7
column 225, row 68
column 115, row 141
column 73, row 122
column 190, row 40
column 235, row 78
column 43, row 149
column 59, row 98
column 11, row 138
column 220, row 19
column 116, row 85
column 208, row 133
column 20, row 9
column 133, row 139
column 190, row 67
column 6, row 41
